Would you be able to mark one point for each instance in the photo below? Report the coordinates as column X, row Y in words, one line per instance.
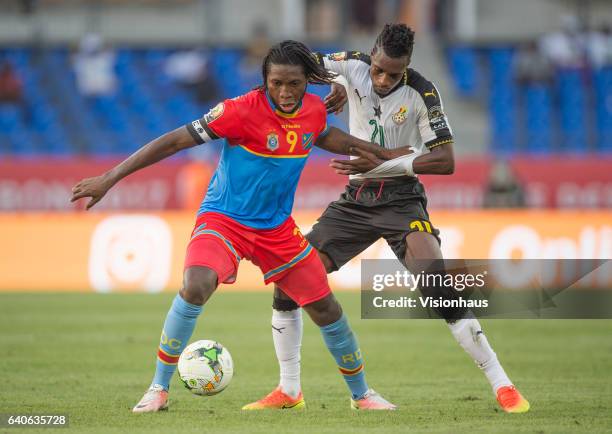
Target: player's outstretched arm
column 339, row 142
column 154, row 151
column 439, row 161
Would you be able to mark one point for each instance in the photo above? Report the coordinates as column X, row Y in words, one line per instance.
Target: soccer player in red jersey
column 246, row 213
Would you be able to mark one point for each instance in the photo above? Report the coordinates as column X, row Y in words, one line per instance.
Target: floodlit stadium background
column 85, row 83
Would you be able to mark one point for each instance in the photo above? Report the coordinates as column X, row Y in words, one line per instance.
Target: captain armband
column 201, row 132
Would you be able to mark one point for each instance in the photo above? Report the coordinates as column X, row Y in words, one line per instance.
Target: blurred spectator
column 190, row 69
column 503, row 189
column 531, row 67
column 364, row 15
column 94, row 66
column 565, row 48
column 11, row 87
column 599, row 47
column 256, row 50
column 389, row 11
column 326, row 20
column 259, row 44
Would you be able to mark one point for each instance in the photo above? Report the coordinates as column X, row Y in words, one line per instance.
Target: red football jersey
column 263, row 156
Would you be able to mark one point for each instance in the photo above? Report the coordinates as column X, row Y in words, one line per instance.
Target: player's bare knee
column 325, row 311
column 198, row 285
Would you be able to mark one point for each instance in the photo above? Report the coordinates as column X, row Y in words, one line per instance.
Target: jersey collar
column 280, row 113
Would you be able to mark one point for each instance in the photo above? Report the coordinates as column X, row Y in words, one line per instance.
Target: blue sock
column 342, row 343
column 179, row 325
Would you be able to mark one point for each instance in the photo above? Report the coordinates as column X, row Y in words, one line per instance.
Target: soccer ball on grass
column 205, row 367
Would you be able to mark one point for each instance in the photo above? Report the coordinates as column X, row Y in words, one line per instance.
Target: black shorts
column 368, row 211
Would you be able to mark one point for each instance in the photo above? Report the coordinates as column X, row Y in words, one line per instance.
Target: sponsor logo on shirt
column 432, row 93
column 359, row 96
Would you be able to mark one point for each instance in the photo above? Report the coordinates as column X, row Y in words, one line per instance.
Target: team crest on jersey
column 214, row 113
column 272, row 142
column 338, row 57
column 400, row 116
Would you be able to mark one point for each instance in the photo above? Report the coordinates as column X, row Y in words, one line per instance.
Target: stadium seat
column 603, row 107
column 56, row 119
column 502, row 101
column 463, row 63
column 573, row 116
column 10, row 117
column 538, row 120
column 23, row 142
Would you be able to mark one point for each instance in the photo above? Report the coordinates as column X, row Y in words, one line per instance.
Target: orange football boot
column 155, row 399
column 511, row 401
column 277, row 400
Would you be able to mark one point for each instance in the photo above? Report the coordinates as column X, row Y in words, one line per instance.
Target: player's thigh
column 211, row 258
column 208, row 262
column 209, row 251
column 306, row 282
column 280, row 294
column 410, row 233
column 217, row 242
column 340, row 234
column 307, row 286
column 424, row 257
column 422, row 245
column 417, row 250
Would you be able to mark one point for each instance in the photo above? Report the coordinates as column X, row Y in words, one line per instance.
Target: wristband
column 400, row 166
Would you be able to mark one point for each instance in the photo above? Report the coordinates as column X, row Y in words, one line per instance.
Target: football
column 205, row 367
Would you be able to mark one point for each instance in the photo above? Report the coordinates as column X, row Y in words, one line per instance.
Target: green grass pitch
column 92, row 357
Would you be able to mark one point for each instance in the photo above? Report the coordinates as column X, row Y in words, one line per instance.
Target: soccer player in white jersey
column 396, row 107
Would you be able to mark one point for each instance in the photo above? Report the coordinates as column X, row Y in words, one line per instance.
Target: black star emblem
column 377, row 112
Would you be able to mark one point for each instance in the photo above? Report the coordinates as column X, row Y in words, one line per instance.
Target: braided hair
column 296, row 53
column 396, row 40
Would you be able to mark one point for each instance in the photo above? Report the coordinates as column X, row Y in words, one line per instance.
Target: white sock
column 287, row 336
column 468, row 333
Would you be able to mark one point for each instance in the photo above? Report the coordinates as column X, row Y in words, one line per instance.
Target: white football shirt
column 412, row 114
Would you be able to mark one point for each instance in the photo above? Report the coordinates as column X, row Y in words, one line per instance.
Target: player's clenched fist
column 95, row 188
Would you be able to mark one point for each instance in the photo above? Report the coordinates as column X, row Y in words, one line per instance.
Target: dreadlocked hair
column 396, row 40
column 295, row 53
